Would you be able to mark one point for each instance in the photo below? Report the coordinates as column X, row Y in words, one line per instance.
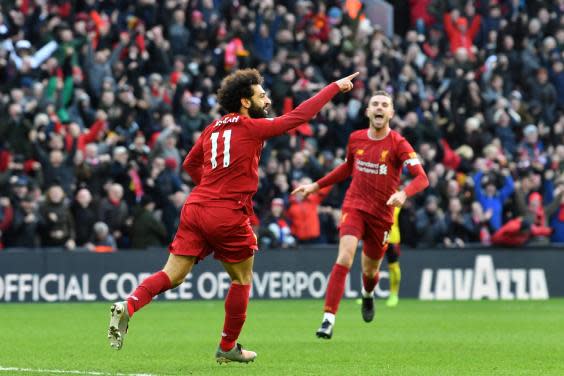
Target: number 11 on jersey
column 226, row 148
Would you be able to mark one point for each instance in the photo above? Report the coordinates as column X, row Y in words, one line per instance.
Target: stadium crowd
column 101, row 100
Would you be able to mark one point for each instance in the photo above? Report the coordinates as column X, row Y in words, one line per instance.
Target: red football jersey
column 224, row 161
column 375, row 166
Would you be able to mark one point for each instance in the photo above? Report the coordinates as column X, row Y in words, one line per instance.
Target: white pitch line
column 69, row 372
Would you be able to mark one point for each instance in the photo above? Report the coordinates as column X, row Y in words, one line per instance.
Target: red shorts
column 373, row 232
column 225, row 232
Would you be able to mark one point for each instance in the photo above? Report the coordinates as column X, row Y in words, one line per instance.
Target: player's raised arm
column 267, row 128
column 193, row 163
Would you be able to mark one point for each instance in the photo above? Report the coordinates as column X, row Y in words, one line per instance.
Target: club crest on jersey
column 384, row 155
column 359, row 151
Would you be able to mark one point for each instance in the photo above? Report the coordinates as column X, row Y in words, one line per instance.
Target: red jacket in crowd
column 304, row 217
column 460, row 35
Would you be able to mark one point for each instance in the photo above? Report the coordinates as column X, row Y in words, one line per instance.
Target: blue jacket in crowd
column 495, row 203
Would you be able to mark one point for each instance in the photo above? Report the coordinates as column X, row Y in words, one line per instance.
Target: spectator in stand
column 114, row 212
column 56, row 225
column 481, row 222
column 99, row 63
column 406, row 221
column 119, row 168
column 492, row 20
column 139, row 152
column 531, row 151
column 304, row 166
column 85, row 215
column 25, row 225
column 263, row 38
column 19, row 188
column 57, row 168
column 542, row 95
column 103, row 241
column 165, row 144
column 303, row 214
column 171, row 213
column 461, row 32
column 178, row 33
column 490, row 196
column 14, row 129
column 23, row 57
column 147, row 231
column 6, row 218
column 93, row 170
column 191, row 119
column 555, row 213
column 166, row 182
column 529, row 226
column 505, row 131
column 430, row 223
column 557, row 78
column 275, row 231
column 460, row 227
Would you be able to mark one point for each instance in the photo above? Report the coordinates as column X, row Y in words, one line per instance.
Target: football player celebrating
column 375, row 159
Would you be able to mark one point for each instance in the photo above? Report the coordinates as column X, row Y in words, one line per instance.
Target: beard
column 256, row 112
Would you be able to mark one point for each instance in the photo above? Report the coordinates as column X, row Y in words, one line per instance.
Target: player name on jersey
column 226, row 120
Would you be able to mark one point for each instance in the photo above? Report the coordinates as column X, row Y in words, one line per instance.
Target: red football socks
column 335, row 288
column 235, row 314
column 147, row 290
column 369, row 283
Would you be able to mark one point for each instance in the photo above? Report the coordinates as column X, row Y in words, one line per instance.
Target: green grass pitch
column 180, row 338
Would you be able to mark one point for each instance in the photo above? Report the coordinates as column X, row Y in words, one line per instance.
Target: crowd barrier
column 468, row 274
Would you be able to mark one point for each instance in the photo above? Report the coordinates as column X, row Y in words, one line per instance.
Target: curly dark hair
column 236, row 86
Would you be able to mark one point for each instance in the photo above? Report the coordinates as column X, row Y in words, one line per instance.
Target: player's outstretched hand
column 397, row 199
column 306, row 189
column 345, row 84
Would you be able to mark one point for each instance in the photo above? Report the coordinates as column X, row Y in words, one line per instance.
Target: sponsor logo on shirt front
column 372, row 168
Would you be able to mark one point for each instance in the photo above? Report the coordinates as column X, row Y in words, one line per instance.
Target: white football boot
column 119, row 322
